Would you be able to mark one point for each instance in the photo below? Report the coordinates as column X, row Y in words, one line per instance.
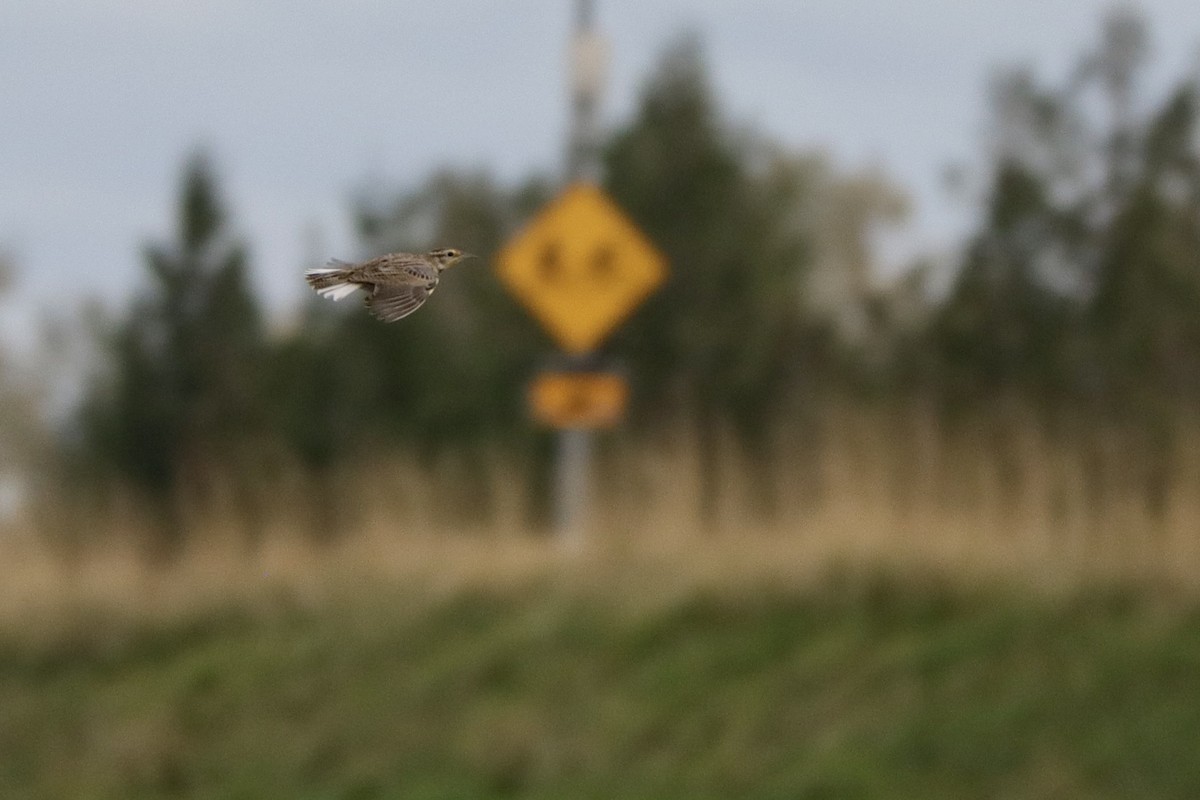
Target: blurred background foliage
column 1076, row 298
column 1080, row 284
column 870, row 529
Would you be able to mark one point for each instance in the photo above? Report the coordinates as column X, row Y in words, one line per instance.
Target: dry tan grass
column 861, row 490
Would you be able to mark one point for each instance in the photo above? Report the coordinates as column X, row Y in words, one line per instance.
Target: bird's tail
column 332, row 282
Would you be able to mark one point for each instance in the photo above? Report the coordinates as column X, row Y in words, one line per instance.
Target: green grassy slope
column 853, row 692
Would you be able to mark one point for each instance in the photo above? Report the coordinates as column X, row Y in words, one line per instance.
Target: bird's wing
column 398, row 268
column 392, row 301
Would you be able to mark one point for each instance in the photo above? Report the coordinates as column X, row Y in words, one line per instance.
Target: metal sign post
column 573, row 471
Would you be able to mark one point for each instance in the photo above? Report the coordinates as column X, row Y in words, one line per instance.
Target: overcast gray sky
column 299, row 101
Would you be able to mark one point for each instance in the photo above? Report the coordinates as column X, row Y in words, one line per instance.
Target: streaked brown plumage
column 397, row 284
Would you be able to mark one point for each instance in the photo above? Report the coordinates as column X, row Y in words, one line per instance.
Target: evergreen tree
column 719, row 342
column 1145, row 314
column 177, row 408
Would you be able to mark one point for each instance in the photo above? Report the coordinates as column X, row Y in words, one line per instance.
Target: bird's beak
column 465, row 256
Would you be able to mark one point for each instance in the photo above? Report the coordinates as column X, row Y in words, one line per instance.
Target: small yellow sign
column 581, row 266
column 578, row 399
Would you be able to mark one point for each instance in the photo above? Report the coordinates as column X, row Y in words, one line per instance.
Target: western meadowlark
column 396, row 284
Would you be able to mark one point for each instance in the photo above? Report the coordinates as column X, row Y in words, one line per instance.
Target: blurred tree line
column 1082, row 280
column 1077, row 300
column 1078, row 287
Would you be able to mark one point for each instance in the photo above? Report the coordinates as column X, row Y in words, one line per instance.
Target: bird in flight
column 397, row 284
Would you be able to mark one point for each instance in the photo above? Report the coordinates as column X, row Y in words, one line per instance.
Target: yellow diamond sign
column 581, row 266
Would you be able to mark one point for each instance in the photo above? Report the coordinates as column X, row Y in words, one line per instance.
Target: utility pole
column 572, row 479
column 589, row 54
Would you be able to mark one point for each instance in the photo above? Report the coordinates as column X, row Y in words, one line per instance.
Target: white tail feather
column 338, row 290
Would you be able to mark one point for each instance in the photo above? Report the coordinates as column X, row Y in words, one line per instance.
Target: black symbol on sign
column 604, row 264
column 550, row 263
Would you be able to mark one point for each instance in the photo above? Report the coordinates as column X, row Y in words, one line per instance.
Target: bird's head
column 447, row 257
